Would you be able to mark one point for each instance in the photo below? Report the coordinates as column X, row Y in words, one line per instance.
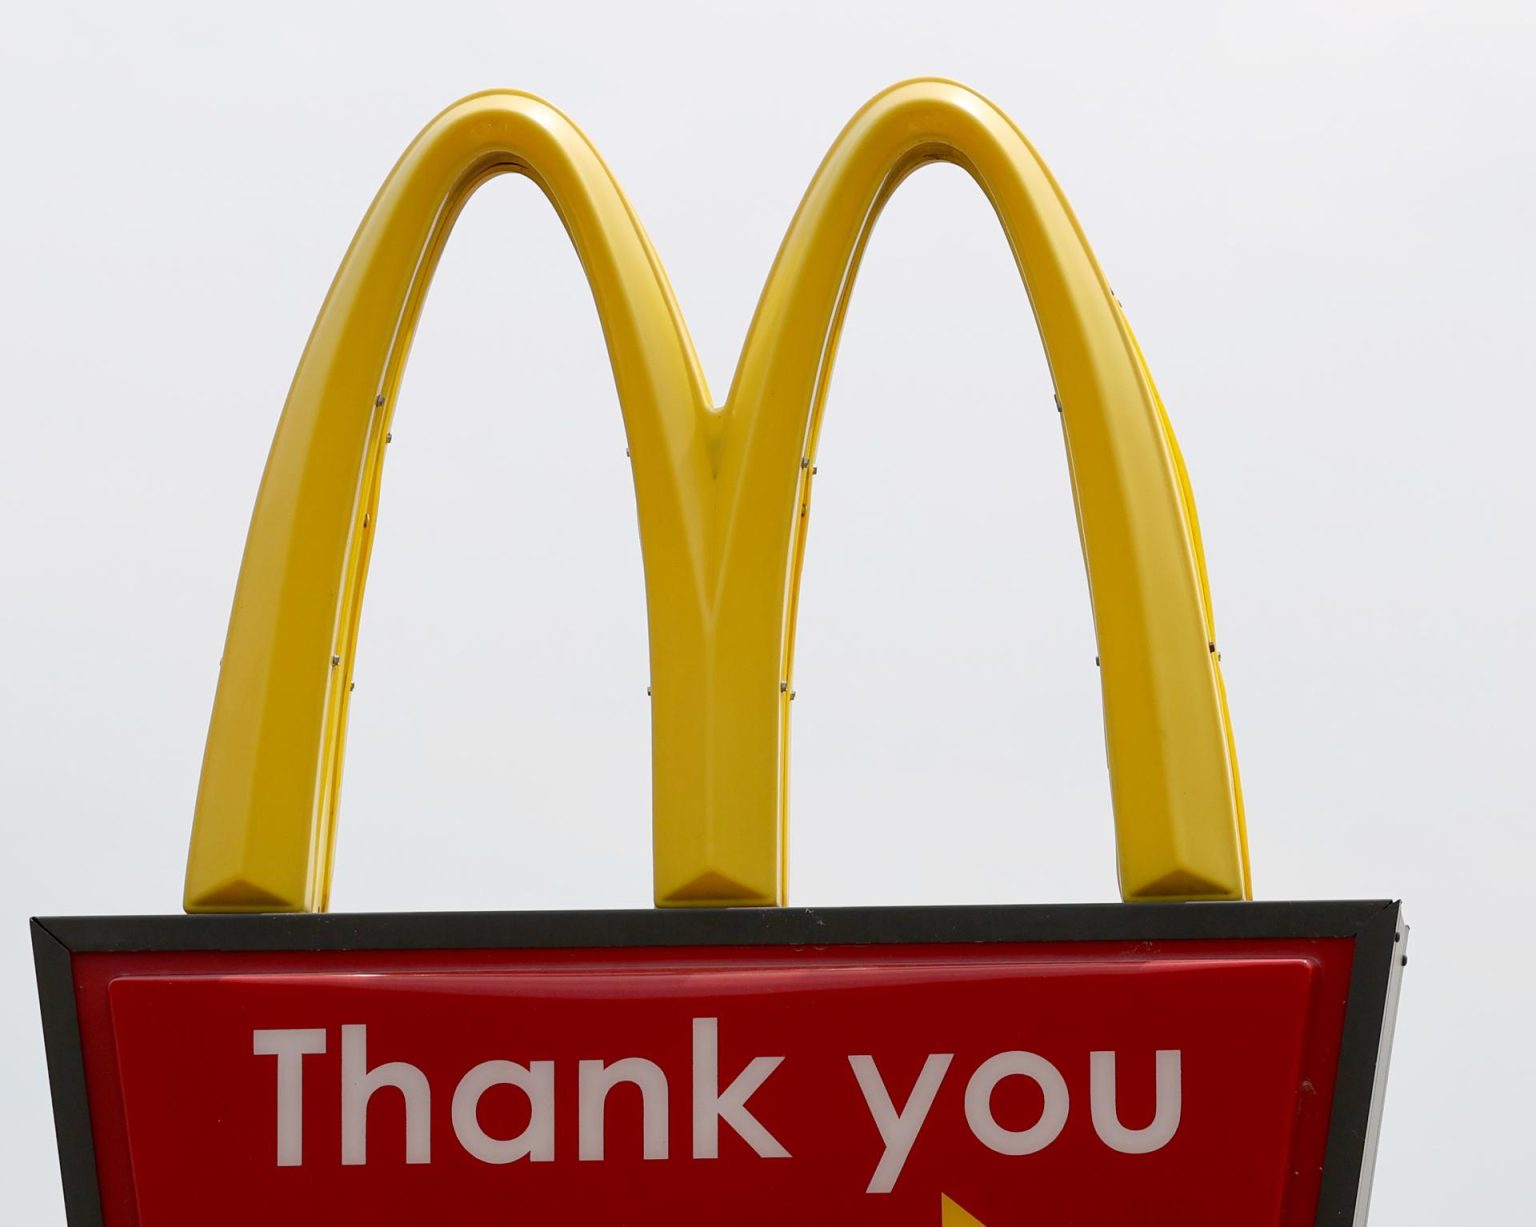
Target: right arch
column 1180, row 830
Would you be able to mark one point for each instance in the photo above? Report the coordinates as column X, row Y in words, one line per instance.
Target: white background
column 1317, row 216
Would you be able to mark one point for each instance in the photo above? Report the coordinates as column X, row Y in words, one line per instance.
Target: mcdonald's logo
column 723, row 492
column 1197, row 1058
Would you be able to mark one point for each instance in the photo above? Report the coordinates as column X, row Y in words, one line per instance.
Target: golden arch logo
column 723, row 492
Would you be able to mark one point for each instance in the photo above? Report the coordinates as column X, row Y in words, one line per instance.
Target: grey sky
column 1317, row 217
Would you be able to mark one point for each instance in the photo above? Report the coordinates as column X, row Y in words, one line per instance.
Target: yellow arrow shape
column 956, row 1215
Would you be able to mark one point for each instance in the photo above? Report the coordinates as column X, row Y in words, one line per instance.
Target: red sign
column 1188, row 1079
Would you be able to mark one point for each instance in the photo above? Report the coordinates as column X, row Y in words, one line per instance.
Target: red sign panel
column 1176, row 1079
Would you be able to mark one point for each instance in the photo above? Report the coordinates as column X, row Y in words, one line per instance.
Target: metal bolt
column 1096, row 664
column 783, row 687
column 351, row 686
column 1212, row 646
column 378, row 401
column 805, row 462
column 791, row 696
column 1057, row 399
column 335, row 660
column 813, row 470
column 647, row 692
column 389, row 437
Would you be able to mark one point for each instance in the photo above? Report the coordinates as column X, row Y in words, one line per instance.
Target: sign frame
column 1376, row 927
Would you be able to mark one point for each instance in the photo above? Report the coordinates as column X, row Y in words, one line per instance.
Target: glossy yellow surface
column 723, row 494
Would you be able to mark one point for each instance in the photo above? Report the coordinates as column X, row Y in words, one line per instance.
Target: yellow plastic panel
column 722, row 496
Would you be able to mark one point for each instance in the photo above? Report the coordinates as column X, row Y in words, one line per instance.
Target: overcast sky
column 1317, row 216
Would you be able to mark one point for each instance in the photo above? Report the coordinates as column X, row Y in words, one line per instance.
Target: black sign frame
column 1377, row 928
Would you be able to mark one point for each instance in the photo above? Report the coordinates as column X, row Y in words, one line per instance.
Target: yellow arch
column 721, row 495
column 1178, row 807
column 263, row 830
